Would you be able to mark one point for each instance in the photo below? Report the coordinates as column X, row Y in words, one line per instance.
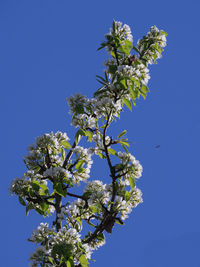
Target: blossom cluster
column 124, row 206
column 84, row 162
column 92, row 109
column 138, row 71
column 63, row 244
column 46, row 150
column 55, row 167
column 151, row 46
column 130, row 165
column 98, row 193
column 119, row 31
column 45, row 161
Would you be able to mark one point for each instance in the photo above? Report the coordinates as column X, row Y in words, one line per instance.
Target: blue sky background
column 48, row 52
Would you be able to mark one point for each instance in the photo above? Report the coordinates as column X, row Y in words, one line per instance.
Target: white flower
column 129, row 160
column 55, row 172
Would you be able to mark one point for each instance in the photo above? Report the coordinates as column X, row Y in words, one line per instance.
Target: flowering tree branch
column 55, row 166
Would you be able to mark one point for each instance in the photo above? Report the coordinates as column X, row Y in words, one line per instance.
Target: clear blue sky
column 48, row 52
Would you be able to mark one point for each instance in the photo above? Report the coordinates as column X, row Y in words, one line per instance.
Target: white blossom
column 57, row 172
column 98, row 192
column 123, row 32
column 129, row 161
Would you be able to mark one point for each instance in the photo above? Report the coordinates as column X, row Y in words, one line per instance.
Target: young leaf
column 93, row 209
column 51, row 260
column 91, row 224
column 78, row 135
column 83, row 261
column 66, row 145
column 79, row 220
column 135, row 48
column 101, row 155
column 29, row 206
column 112, row 151
column 22, row 202
column 119, row 222
column 35, row 185
column 44, row 206
column 100, row 237
column 89, row 135
column 133, row 93
column 132, row 182
column 124, row 143
column 122, row 133
column 80, row 164
column 125, row 148
column 101, row 78
column 127, row 195
column 45, row 189
column 127, row 103
column 58, row 188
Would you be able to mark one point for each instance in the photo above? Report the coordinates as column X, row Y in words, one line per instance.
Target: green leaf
column 83, row 261
column 93, row 209
column 87, row 195
column 79, row 224
column 113, row 54
column 102, row 46
column 62, row 249
column 44, row 188
column 125, row 148
column 79, row 108
column 68, row 263
column 35, row 185
column 51, row 260
column 44, row 206
column 113, row 24
column 117, row 41
column 112, row 69
column 100, row 91
column 144, row 90
column 101, row 78
column 128, row 44
column 66, row 144
column 133, row 93
column 124, row 143
column 78, row 135
column 29, row 206
column 135, row 48
column 119, row 167
column 163, row 33
column 91, row 224
column 112, row 151
column 80, row 164
column 22, row 202
column 126, row 48
column 101, row 155
column 127, row 195
column 118, row 222
column 89, row 135
column 58, row 188
column 132, row 182
column 100, row 237
column 127, row 103
column 71, row 260
column 123, row 83
column 39, row 211
column 122, row 133
column 101, row 82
